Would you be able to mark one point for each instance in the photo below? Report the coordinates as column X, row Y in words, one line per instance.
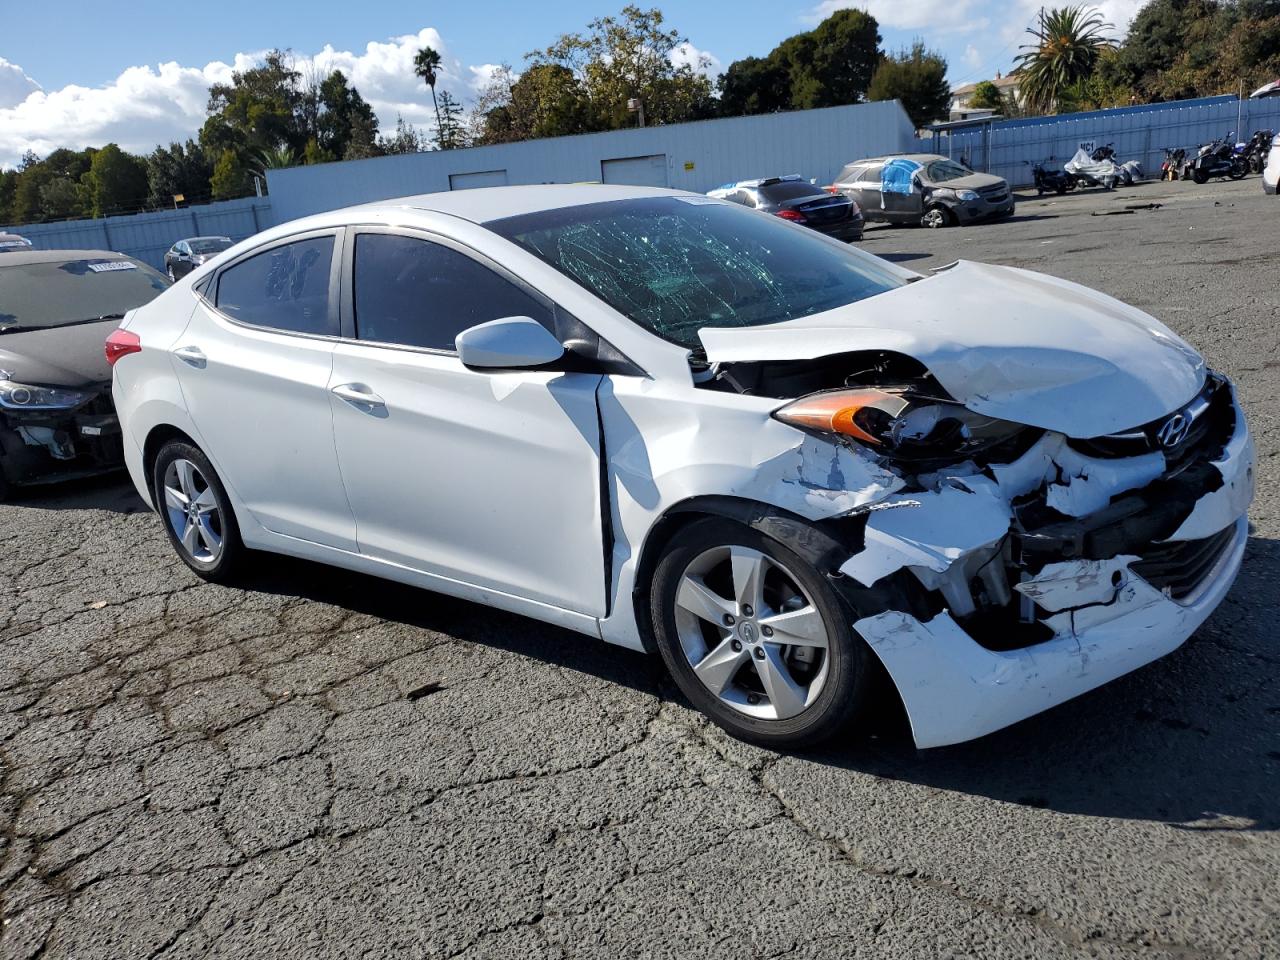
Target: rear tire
column 1199, row 176
column 732, row 659
column 1238, row 168
column 196, row 512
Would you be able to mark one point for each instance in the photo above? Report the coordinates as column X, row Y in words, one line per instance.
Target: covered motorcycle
column 1093, row 172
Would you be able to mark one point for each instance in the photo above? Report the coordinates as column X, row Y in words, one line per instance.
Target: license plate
column 91, row 431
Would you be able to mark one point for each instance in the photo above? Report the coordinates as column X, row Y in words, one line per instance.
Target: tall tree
column 262, row 108
column 450, row 132
column 426, row 65
column 8, row 183
column 346, row 123
column 1066, row 46
column 986, row 96
column 116, row 182
column 627, row 57
column 833, row 63
column 917, row 78
column 754, row 85
column 178, row 169
column 406, row 139
column 547, row 100
column 231, row 177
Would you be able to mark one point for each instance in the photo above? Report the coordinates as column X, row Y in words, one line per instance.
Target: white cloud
column 15, row 85
column 972, row 57
column 702, row 61
column 146, row 105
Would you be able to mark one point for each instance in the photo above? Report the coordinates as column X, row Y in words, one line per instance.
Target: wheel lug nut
column 728, row 620
column 759, row 653
column 736, row 646
column 767, row 631
column 752, row 699
column 747, row 611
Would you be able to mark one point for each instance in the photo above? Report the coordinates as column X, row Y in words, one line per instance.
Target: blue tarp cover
column 896, row 175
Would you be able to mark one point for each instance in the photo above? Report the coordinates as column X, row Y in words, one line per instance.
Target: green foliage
column 1191, row 48
column 545, row 101
column 346, row 124
column 1068, row 43
column 8, row 183
column 450, row 132
column 987, row 96
column 754, row 85
column 116, row 182
column 407, row 139
column 917, row 78
column 313, row 153
column 231, row 177
column 834, row 62
column 178, row 169
column 625, row 57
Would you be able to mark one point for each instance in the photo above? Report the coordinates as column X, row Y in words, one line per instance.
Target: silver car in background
column 1271, row 172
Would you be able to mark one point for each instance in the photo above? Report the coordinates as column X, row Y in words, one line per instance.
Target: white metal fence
column 148, row 235
column 1139, row 133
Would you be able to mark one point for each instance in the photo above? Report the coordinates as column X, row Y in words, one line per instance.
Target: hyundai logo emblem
column 1174, row 430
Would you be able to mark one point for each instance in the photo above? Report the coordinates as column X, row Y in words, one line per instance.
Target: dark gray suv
column 942, row 192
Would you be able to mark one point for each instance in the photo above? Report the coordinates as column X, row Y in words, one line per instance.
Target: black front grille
column 1212, row 424
column 995, row 191
column 1180, row 567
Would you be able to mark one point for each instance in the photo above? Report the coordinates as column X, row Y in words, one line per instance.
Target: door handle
column 358, row 395
column 193, row 356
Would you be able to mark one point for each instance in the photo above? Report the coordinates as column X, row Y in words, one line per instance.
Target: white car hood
column 1005, row 342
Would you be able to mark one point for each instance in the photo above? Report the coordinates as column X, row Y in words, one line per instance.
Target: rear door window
column 285, row 288
column 413, row 292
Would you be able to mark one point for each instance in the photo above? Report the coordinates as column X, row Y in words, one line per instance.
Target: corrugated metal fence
column 1139, row 133
column 148, row 235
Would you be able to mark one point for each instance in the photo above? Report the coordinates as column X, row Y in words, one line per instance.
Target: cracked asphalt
column 326, row 765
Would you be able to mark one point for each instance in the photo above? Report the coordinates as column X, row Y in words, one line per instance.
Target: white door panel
column 260, row 401
column 490, row 479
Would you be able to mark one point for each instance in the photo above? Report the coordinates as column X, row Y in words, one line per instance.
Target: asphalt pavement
column 326, row 765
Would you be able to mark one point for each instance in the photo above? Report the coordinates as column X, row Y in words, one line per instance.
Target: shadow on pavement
column 112, row 492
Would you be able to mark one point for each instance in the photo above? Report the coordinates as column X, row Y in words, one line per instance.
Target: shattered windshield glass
column 677, row 264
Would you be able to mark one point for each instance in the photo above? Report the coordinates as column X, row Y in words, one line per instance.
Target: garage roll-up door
column 650, row 171
column 484, row 178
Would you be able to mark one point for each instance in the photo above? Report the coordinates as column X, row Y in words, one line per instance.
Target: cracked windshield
column 675, row 265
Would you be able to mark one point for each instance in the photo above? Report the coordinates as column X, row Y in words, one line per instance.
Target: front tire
column 1238, row 168
column 169, row 270
column 937, row 216
column 755, row 637
column 196, row 512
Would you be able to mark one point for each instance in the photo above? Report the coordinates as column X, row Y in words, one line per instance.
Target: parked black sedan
column 57, row 307
column 794, row 198
column 185, row 255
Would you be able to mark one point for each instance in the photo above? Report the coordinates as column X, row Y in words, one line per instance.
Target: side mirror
column 512, row 343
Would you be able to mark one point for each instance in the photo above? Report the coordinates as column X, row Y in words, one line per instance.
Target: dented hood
column 1005, row 342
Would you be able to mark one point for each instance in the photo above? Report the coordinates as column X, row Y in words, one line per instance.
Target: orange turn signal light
column 854, row 413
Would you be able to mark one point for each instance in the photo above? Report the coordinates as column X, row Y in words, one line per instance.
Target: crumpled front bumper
column 1101, row 617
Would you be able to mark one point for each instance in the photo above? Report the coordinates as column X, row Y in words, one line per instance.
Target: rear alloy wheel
column 755, row 637
column 196, row 512
column 935, row 217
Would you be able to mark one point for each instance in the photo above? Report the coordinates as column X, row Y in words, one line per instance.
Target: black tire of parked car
column 847, row 692
column 232, row 559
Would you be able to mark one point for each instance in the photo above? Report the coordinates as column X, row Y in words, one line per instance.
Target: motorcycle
column 1174, row 161
column 1256, row 150
column 1047, row 181
column 1218, row 159
column 1099, row 169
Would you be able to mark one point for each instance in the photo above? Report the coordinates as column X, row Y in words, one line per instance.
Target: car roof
column 57, row 256
column 918, row 157
column 211, row 236
column 484, row 204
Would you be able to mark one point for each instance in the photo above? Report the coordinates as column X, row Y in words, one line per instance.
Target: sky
column 138, row 74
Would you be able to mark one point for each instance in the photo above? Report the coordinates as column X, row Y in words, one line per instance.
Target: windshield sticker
column 698, row 201
column 111, row 265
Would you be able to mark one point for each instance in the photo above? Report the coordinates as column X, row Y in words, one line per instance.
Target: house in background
column 960, row 97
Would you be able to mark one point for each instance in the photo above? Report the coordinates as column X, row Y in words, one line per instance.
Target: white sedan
column 1271, row 172
column 792, row 469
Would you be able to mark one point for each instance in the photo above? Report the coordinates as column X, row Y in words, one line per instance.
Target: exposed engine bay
column 1020, row 537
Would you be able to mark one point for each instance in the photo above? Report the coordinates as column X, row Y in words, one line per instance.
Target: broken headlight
column 21, row 396
column 898, row 423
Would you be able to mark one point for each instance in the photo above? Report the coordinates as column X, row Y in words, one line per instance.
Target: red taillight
column 833, row 189
column 120, row 343
column 791, row 215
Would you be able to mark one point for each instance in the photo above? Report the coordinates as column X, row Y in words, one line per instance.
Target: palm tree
column 275, row 158
column 426, row 65
column 1067, row 45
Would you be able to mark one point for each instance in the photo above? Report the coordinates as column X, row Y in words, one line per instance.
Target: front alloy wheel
column 935, row 217
column 755, row 637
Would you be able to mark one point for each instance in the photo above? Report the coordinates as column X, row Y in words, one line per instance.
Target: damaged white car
column 790, row 468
